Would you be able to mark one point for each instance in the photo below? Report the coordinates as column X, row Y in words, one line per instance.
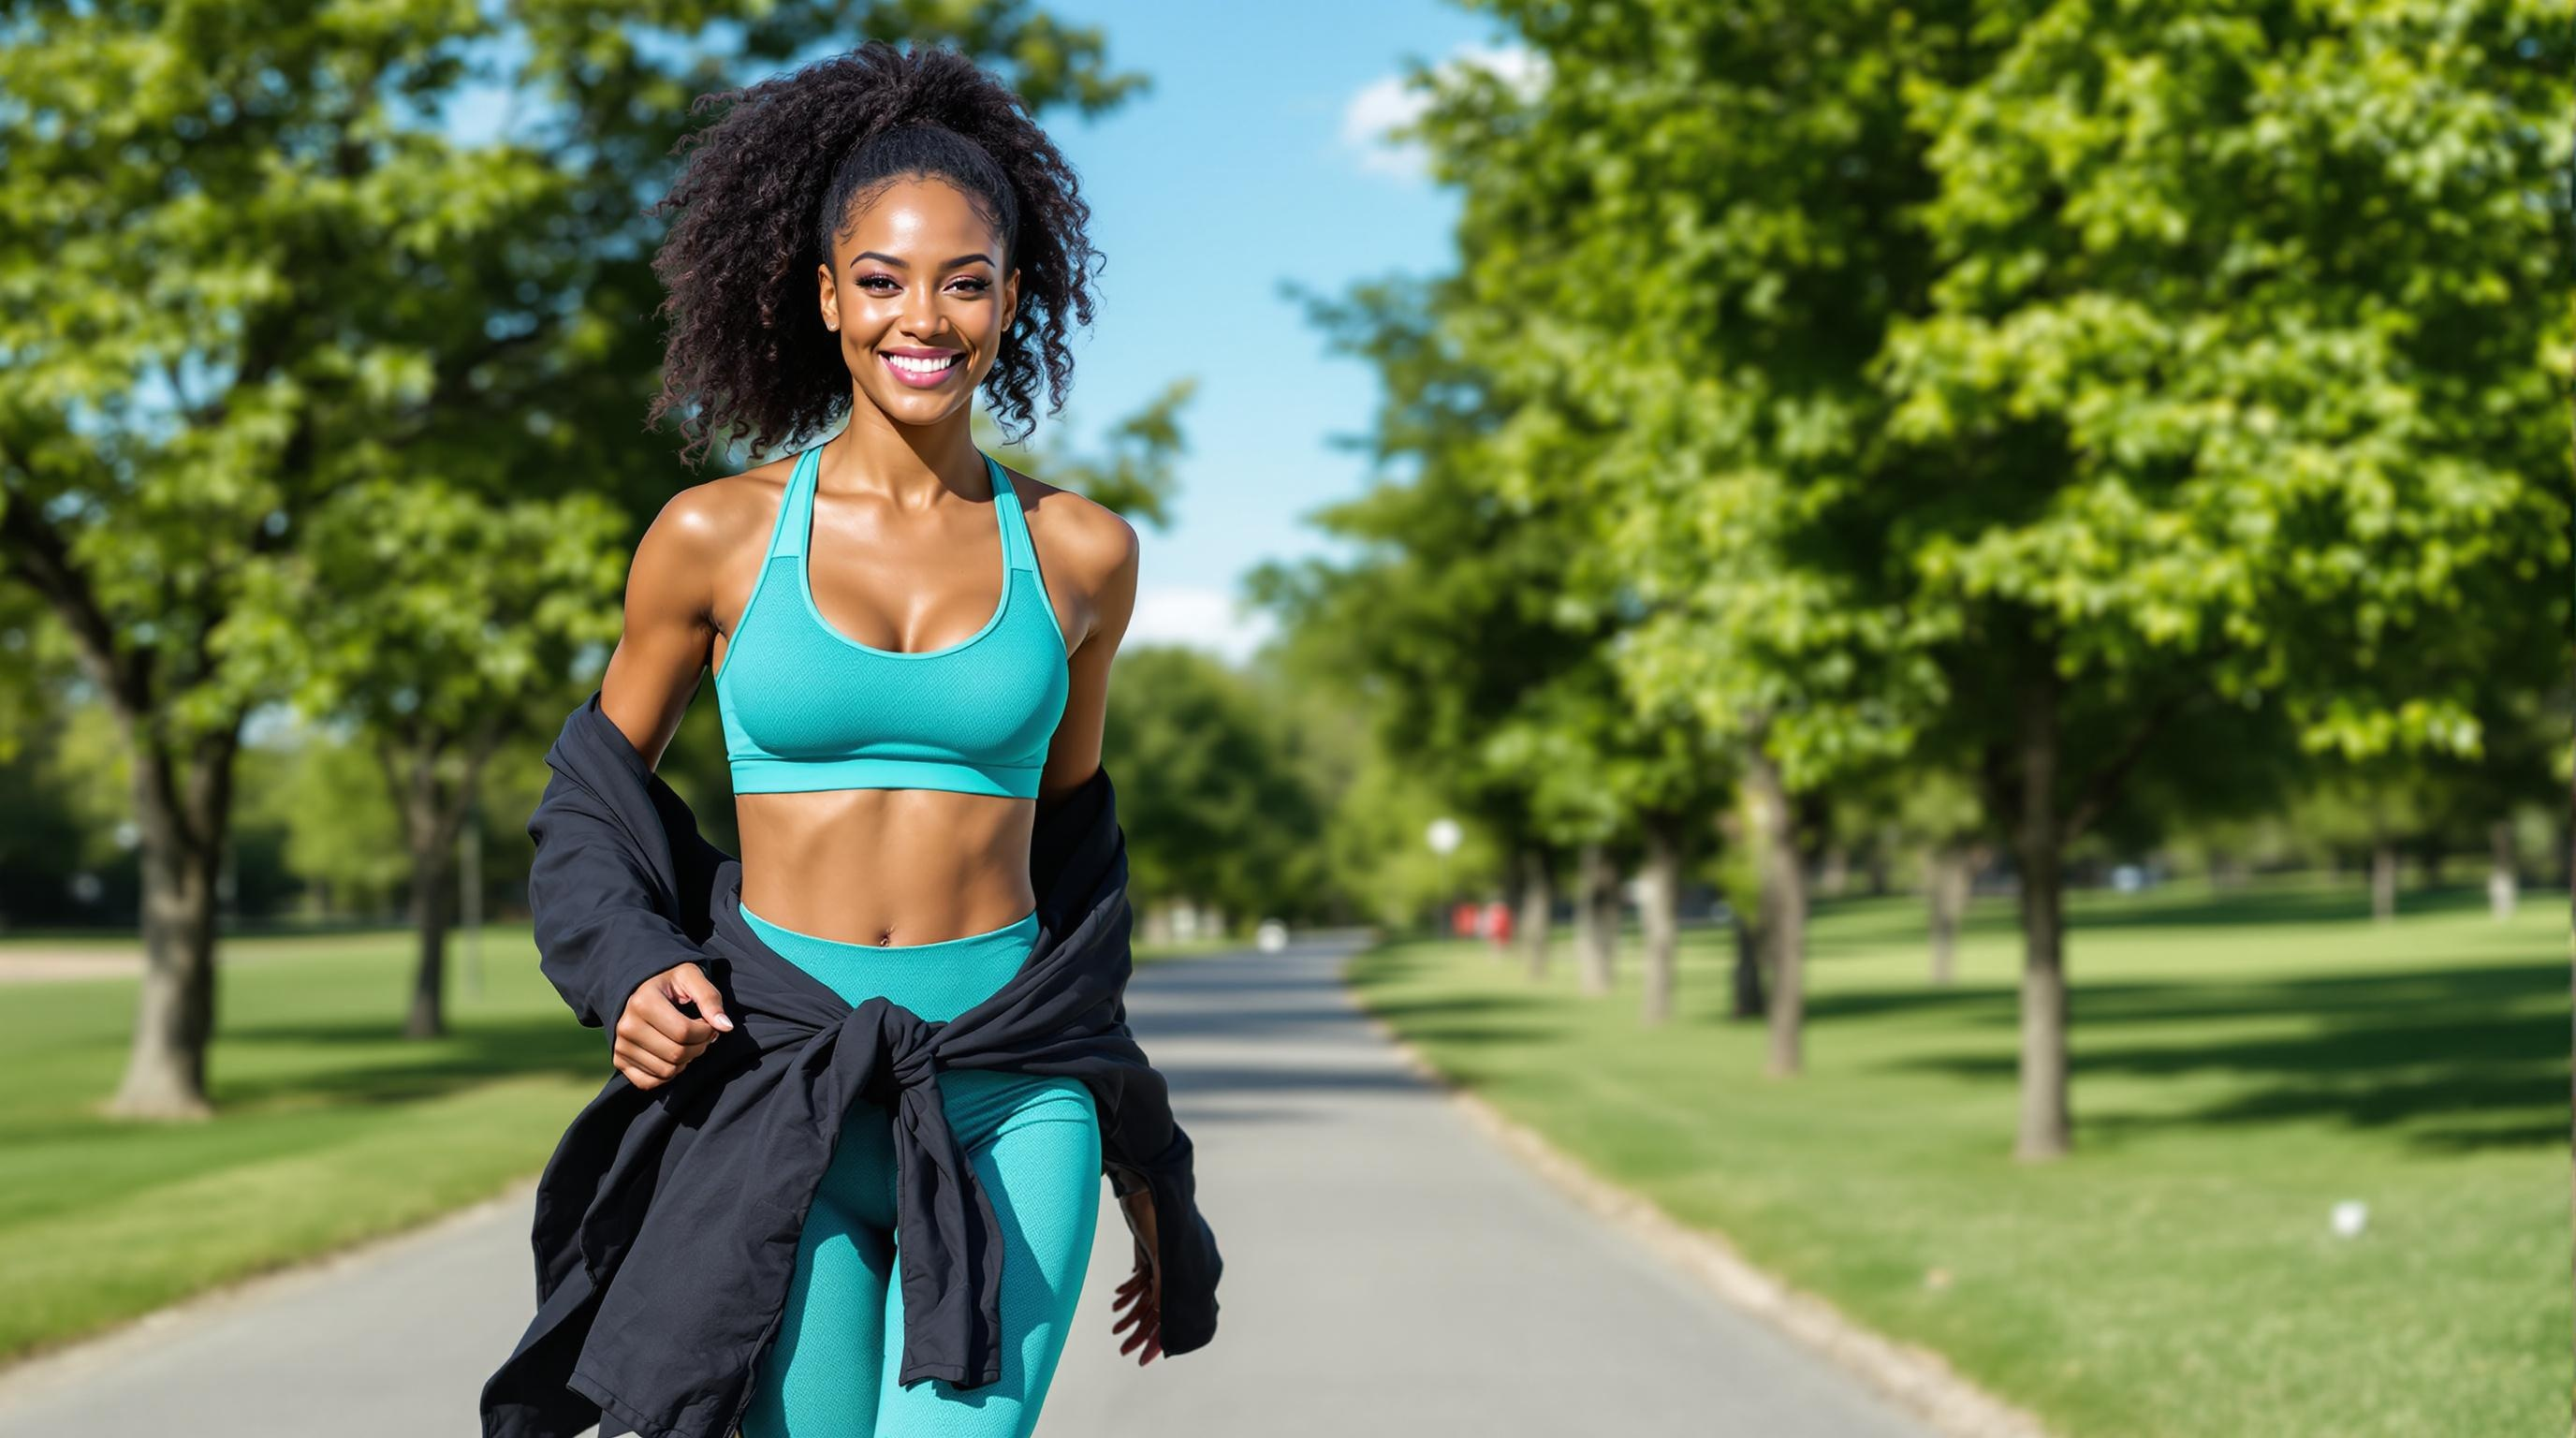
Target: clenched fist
column 654, row 1039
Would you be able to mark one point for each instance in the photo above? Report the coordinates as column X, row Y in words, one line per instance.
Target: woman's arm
column 670, row 619
column 652, row 675
column 1097, row 551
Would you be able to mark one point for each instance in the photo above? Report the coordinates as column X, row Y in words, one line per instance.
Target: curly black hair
column 765, row 186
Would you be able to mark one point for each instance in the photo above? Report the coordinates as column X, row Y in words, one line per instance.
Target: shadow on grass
column 2465, row 1058
column 1448, row 1018
column 2259, row 907
column 369, row 1062
column 1868, row 923
column 1974, row 1003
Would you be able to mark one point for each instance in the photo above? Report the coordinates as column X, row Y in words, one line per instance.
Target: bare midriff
column 886, row 866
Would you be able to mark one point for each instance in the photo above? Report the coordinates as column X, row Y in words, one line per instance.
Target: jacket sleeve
column 605, row 919
column 1187, row 1252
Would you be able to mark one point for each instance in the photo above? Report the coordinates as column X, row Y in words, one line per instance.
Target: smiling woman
column 744, row 359
column 911, row 650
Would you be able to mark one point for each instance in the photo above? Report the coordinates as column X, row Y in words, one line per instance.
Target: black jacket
column 710, row 1174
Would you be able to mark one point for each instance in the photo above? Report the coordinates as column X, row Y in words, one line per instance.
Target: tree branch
column 2103, row 786
column 38, row 553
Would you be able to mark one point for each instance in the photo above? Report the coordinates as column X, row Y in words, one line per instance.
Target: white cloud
column 1198, row 617
column 1388, row 102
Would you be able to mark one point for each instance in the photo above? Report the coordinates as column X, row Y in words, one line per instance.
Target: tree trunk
column 1658, row 913
column 469, row 897
column 1596, row 917
column 183, row 825
column 174, row 1019
column 1833, row 877
column 1948, row 870
column 433, row 809
column 1784, row 912
column 1538, row 903
column 2429, row 857
column 2504, row 882
column 1614, row 917
column 1748, row 967
column 2383, row 880
column 433, row 913
column 2039, row 848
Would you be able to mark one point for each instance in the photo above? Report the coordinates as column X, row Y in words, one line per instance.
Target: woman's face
column 916, row 294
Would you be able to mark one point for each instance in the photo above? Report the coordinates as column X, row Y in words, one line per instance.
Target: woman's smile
column 923, row 369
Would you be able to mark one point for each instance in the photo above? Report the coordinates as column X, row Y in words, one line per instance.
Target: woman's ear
column 829, row 298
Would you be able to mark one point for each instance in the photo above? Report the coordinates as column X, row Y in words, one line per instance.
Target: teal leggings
column 1035, row 1146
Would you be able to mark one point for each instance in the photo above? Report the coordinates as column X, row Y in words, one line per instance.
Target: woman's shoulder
column 710, row 521
column 1073, row 532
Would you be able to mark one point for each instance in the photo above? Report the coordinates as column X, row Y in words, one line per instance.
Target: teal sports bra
column 806, row 707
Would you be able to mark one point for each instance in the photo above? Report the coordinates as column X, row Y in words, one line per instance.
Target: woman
column 890, row 709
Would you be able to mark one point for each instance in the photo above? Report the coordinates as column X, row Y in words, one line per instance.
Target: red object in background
column 1462, row 919
column 1498, row 922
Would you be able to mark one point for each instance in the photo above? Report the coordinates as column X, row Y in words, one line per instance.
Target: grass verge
column 2242, row 1063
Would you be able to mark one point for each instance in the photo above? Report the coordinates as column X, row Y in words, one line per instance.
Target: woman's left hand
column 1144, row 1289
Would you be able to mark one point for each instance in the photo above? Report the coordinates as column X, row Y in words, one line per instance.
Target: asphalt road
column 1388, row 1272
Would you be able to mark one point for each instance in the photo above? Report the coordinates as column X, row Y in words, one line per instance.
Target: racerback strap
column 1017, row 550
column 796, row 511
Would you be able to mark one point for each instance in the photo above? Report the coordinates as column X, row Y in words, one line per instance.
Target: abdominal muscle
column 886, row 866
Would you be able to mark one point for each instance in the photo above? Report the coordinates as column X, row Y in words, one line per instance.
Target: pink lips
column 919, row 380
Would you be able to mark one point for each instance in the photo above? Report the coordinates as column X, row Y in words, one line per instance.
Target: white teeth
column 920, row 366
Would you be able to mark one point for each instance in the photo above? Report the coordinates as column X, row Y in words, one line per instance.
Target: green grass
column 2241, row 1063
column 330, row 1127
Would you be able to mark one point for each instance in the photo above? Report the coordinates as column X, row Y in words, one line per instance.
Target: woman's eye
column 871, row 282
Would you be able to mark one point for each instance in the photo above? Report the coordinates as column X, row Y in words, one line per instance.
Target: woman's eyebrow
column 901, row 265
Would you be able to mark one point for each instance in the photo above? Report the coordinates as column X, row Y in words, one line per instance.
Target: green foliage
column 2206, row 350
column 2245, row 361
column 1455, row 627
column 1677, row 258
column 312, row 397
column 1208, row 789
column 341, row 828
column 62, row 792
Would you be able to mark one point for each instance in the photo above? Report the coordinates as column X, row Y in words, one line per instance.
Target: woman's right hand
column 654, row 1039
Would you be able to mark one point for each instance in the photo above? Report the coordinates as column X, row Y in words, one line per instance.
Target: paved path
column 1388, row 1272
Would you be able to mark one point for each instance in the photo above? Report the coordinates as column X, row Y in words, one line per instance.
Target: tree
column 2237, row 388
column 1451, row 617
column 1215, row 812
column 1748, row 176
column 2035, row 389
column 1595, row 763
column 482, row 612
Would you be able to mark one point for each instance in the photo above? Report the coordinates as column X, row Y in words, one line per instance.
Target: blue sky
column 1248, row 162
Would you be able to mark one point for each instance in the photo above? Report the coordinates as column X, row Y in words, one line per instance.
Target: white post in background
column 1443, row 836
